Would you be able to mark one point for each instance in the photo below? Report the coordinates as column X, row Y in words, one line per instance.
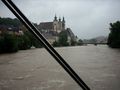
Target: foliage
column 34, row 41
column 63, row 39
column 56, row 44
column 8, row 21
column 80, row 42
column 8, row 43
column 12, row 42
column 24, row 42
column 74, row 43
column 114, row 36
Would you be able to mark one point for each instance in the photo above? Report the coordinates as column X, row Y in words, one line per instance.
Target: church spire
column 55, row 18
column 59, row 19
column 63, row 23
column 63, row 20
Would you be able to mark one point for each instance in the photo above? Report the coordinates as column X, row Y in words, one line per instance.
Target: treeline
column 9, row 21
column 63, row 40
column 114, row 36
column 12, row 42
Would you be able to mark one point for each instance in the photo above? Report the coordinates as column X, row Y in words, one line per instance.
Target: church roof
column 46, row 25
column 70, row 33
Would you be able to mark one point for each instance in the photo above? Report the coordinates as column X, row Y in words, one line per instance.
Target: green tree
column 33, row 40
column 56, row 44
column 8, row 43
column 10, row 22
column 114, row 36
column 80, row 42
column 73, row 42
column 24, row 42
column 63, row 39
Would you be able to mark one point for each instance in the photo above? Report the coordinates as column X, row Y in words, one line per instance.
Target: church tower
column 60, row 24
column 63, row 24
column 55, row 18
column 55, row 22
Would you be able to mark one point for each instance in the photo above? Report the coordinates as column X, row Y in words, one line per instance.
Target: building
column 71, row 36
column 55, row 27
column 51, row 29
column 10, row 29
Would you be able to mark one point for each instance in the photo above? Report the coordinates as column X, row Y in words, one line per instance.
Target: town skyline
column 87, row 19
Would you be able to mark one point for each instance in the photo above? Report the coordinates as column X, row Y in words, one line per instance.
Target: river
column 35, row 69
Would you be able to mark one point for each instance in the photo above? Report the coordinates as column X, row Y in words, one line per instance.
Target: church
column 56, row 26
column 52, row 29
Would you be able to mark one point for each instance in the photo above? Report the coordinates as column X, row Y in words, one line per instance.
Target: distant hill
column 10, row 22
column 99, row 39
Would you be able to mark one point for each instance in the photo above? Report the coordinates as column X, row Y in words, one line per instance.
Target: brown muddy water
column 35, row 69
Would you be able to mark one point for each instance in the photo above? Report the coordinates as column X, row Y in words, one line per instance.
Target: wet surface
column 35, row 69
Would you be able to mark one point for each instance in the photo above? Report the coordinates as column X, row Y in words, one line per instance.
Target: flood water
column 35, row 69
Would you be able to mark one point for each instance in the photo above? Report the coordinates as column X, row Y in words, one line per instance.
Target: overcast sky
column 86, row 18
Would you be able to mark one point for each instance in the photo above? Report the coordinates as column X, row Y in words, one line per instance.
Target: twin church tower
column 58, row 24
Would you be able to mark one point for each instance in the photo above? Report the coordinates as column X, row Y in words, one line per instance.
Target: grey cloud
column 87, row 18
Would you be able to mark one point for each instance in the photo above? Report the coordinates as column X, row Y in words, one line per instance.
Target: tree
column 63, row 38
column 8, row 43
column 114, row 36
column 80, row 42
column 10, row 22
column 56, row 44
column 24, row 42
column 12, row 42
column 73, row 42
column 34, row 41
